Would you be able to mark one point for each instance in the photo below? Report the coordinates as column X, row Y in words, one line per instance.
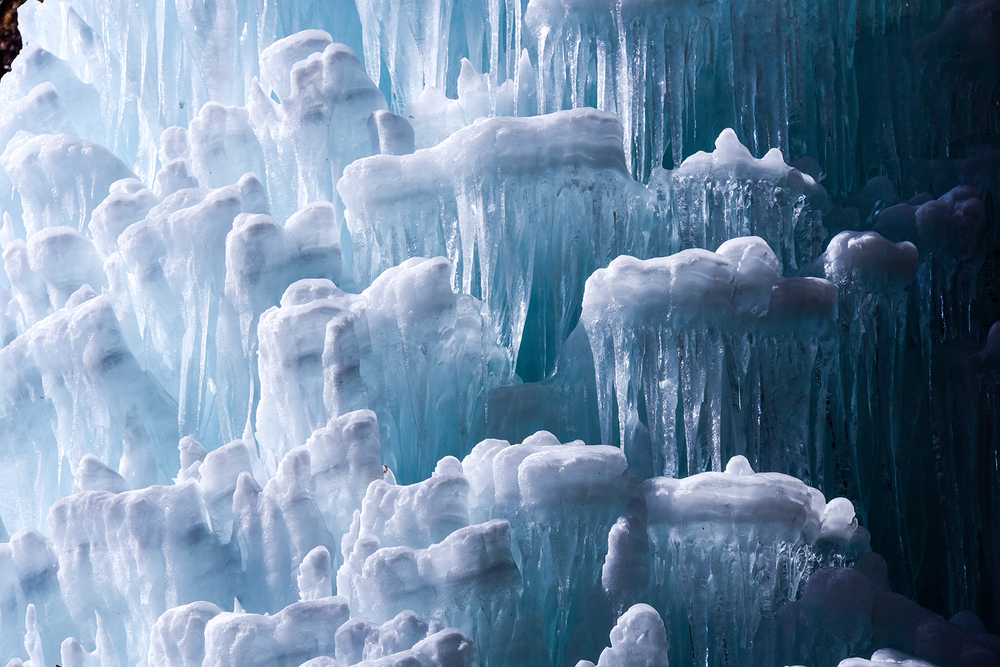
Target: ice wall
column 678, row 74
column 240, row 411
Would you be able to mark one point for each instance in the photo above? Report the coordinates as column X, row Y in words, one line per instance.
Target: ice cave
column 500, row 333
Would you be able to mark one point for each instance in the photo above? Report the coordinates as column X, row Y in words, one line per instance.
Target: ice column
column 867, row 413
column 319, row 123
column 71, row 387
column 561, row 500
column 689, row 359
column 420, row 356
column 717, row 196
column 725, row 551
column 951, row 237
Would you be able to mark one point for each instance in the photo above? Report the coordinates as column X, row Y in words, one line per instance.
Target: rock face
column 10, row 36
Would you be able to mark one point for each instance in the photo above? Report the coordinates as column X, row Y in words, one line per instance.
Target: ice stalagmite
column 484, row 199
column 144, row 571
column 351, row 352
column 638, row 639
column 182, row 552
column 413, row 547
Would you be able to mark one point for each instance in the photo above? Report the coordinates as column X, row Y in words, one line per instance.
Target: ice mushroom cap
column 803, row 305
column 869, row 257
column 691, row 285
column 739, row 496
column 755, row 273
column 277, row 60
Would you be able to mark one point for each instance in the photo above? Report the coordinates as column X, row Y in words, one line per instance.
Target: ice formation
column 532, row 334
column 555, row 187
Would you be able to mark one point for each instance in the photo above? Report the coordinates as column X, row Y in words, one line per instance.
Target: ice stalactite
column 413, row 41
column 657, row 66
column 717, row 196
column 42, row 95
column 561, row 500
column 489, row 189
column 351, row 351
column 951, row 235
column 866, row 408
column 790, row 362
column 189, row 272
column 47, row 270
column 346, row 457
column 104, row 526
column 121, row 49
column 424, row 45
column 692, row 366
column 304, row 633
column 711, row 534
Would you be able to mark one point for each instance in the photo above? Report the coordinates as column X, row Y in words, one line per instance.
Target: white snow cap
column 739, row 495
column 734, row 285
